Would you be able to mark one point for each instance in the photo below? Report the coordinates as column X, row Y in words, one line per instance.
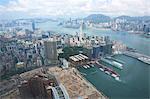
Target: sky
column 72, row 8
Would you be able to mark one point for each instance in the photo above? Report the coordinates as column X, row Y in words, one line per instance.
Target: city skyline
column 74, row 49
column 72, row 8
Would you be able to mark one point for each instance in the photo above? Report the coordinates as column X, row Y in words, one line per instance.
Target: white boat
column 101, row 69
column 114, row 75
column 117, row 78
column 107, row 72
column 88, row 66
column 92, row 65
column 85, row 67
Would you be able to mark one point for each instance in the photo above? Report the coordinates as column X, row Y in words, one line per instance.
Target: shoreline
column 87, row 88
column 99, row 28
column 90, row 84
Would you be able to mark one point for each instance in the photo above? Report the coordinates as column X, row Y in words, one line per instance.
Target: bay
column 135, row 77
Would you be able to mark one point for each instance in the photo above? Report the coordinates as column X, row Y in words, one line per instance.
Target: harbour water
column 135, row 76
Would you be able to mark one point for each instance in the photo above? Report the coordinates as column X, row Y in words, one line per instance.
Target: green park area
column 70, row 51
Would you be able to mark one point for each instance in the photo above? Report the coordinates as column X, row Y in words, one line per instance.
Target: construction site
column 76, row 86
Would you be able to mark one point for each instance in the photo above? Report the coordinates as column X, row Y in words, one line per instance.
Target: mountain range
column 100, row 18
column 97, row 18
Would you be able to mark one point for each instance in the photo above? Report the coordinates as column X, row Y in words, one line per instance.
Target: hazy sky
column 36, row 8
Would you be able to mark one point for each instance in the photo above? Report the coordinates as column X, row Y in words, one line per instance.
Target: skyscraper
column 33, row 25
column 102, row 50
column 108, row 49
column 81, row 32
column 51, row 52
column 107, row 39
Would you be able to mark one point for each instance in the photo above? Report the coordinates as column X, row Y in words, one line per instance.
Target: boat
column 101, row 69
column 85, row 67
column 107, row 72
column 114, row 75
column 92, row 65
column 117, row 78
column 88, row 66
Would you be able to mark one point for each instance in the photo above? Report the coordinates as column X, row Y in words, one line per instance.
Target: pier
column 120, row 61
column 136, row 55
column 106, row 68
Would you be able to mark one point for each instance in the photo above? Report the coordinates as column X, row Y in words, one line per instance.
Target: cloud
column 77, row 7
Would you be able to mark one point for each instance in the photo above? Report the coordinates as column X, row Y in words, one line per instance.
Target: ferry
column 92, row 65
column 88, row 66
column 84, row 66
column 107, row 72
column 101, row 69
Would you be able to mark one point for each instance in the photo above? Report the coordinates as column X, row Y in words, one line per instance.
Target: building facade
column 51, row 52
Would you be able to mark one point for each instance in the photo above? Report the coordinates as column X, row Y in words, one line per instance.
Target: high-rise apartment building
column 51, row 52
column 33, row 26
column 81, row 34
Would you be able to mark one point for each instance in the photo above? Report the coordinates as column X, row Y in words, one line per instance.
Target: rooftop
column 78, row 57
